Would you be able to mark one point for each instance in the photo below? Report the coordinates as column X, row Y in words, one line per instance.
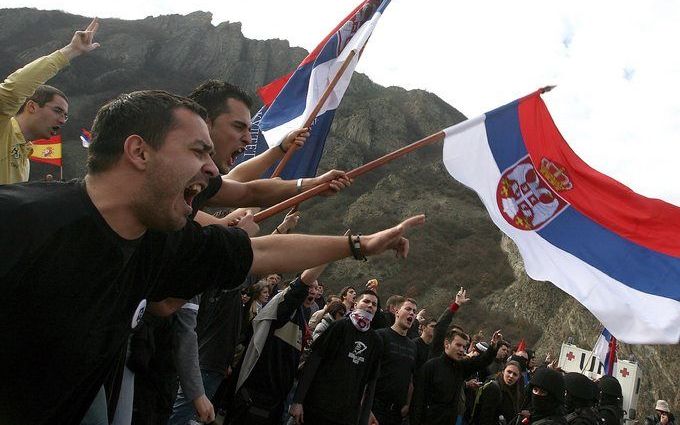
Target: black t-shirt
column 397, row 365
column 350, row 360
column 73, row 289
column 422, row 352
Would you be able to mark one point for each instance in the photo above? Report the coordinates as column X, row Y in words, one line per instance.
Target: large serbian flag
column 616, row 252
column 47, row 150
column 290, row 100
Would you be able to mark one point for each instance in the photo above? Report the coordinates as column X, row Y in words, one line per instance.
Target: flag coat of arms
column 47, row 151
column 290, row 100
column 616, row 252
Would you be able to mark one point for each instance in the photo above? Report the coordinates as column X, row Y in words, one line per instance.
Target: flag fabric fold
column 47, row 151
column 616, row 252
column 290, row 100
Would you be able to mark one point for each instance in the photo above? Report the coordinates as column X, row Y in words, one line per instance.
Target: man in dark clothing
column 438, row 388
column 397, row 364
column 581, row 394
column 498, row 362
column 115, row 239
column 423, row 343
column 610, row 400
column 268, row 368
column 444, row 321
column 342, row 362
column 547, row 398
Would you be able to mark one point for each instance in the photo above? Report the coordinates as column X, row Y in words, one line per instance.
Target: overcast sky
column 615, row 63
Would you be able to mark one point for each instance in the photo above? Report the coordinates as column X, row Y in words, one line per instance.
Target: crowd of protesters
column 223, row 335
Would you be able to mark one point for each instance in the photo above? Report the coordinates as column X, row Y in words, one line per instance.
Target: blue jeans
column 183, row 410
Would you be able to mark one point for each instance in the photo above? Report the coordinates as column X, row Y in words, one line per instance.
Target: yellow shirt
column 14, row 149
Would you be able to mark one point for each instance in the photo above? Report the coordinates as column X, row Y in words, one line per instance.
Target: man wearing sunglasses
column 30, row 110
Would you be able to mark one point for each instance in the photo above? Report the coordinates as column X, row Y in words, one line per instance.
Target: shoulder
column 39, row 203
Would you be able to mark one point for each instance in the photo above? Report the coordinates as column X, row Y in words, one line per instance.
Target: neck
column 113, row 204
column 347, row 304
column 22, row 119
column 399, row 329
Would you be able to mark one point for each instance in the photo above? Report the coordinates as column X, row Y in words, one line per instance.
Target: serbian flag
column 616, row 252
column 605, row 350
column 290, row 100
column 47, row 150
column 85, row 137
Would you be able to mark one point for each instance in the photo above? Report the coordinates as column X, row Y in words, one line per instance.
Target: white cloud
column 618, row 95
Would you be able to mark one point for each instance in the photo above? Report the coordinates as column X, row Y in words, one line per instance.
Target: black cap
column 580, row 386
column 610, row 386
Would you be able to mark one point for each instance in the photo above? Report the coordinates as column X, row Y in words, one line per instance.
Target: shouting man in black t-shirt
column 77, row 279
column 395, row 383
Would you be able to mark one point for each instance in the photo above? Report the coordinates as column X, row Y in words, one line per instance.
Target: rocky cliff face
column 459, row 246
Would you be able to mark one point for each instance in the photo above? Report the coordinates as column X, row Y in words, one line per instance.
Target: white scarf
column 361, row 319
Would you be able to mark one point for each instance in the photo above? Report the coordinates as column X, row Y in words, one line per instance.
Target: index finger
column 410, row 222
column 92, row 26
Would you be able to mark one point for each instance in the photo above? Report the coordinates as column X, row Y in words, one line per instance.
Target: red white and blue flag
column 290, row 100
column 616, row 252
column 605, row 350
column 85, row 137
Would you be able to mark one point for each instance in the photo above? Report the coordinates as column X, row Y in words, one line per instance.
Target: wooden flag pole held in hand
column 312, row 116
column 295, row 200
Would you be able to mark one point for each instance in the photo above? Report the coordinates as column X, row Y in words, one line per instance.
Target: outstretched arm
column 444, row 321
column 22, row 83
column 290, row 253
column 255, row 167
column 267, row 192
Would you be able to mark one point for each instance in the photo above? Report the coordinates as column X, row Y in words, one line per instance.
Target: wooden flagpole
column 312, row 116
column 295, row 200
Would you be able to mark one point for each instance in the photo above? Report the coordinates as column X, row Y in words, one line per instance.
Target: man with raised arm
column 76, row 284
column 30, row 110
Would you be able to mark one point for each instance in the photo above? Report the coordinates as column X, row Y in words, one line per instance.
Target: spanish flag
column 47, row 150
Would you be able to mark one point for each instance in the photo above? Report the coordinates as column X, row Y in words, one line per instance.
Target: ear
column 135, row 152
column 31, row 106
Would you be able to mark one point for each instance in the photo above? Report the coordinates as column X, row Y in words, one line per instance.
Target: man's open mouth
column 234, row 155
column 55, row 130
column 191, row 191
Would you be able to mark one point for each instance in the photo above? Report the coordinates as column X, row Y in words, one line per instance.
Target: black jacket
column 497, row 399
column 437, row 389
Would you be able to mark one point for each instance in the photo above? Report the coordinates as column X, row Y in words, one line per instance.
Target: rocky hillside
column 459, row 246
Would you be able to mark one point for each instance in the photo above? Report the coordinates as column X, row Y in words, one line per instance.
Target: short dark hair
column 42, row 95
column 452, row 333
column 213, row 96
column 366, row 292
column 148, row 114
column 345, row 290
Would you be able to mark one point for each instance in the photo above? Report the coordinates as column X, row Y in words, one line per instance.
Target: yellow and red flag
column 47, row 150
